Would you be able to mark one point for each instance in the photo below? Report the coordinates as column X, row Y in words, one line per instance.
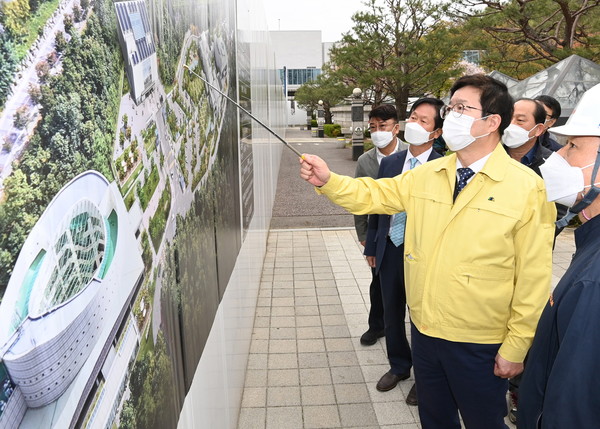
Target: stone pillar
column 358, row 132
column 321, row 119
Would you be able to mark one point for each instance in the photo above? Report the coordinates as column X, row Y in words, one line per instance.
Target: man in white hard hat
column 561, row 379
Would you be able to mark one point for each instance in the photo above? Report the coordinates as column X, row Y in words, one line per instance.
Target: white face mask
column 382, row 138
column 415, row 134
column 457, row 131
column 514, row 136
column 563, row 181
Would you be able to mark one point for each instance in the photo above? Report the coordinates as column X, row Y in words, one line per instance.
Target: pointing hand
column 314, row 170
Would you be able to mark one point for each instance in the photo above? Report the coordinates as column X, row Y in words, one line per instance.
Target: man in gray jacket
column 384, row 127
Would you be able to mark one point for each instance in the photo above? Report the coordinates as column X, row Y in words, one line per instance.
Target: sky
column 332, row 17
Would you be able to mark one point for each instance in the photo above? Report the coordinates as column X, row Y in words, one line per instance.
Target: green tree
column 42, row 69
column 18, row 214
column 127, row 417
column 21, row 117
column 325, row 88
column 52, row 59
column 398, row 49
column 543, row 31
column 16, row 14
column 65, row 119
column 77, row 13
column 34, row 92
column 8, row 64
column 60, row 43
column 68, row 23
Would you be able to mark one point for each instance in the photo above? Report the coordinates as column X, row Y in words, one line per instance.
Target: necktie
column 397, row 230
column 464, row 174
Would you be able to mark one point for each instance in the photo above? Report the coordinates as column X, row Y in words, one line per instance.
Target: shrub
column 35, row 93
column 21, row 117
column 313, row 123
column 332, row 130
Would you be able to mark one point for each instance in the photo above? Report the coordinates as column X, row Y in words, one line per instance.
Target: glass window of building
column 300, row 76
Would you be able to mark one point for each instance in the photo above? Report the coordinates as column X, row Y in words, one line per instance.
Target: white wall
column 215, row 395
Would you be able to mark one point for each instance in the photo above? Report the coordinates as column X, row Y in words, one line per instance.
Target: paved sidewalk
column 306, row 367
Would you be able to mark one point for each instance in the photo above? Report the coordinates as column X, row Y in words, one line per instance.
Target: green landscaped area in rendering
column 34, row 25
column 146, row 191
column 131, row 180
column 159, row 220
column 150, row 136
column 181, row 158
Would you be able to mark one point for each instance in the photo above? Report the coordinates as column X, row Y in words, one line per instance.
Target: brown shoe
column 411, row 399
column 390, row 380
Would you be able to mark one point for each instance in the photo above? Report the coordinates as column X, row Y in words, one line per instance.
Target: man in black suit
column 385, row 241
column 384, row 128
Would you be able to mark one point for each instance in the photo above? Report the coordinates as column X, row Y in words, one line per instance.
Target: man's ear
column 540, row 130
column 494, row 122
column 550, row 122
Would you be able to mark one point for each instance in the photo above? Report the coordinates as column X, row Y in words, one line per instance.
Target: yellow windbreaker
column 477, row 270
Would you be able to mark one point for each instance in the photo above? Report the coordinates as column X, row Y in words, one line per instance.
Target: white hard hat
column 585, row 119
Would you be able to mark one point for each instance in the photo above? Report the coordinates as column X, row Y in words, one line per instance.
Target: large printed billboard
column 120, row 217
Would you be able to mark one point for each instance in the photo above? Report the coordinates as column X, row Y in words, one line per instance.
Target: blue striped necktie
column 397, row 230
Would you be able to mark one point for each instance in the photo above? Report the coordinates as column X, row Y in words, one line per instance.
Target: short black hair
column 384, row 112
column 551, row 103
column 539, row 114
column 494, row 97
column 436, row 103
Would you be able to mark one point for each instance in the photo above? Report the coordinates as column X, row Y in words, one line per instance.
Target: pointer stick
column 244, row 110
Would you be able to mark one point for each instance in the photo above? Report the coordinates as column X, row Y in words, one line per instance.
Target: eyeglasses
column 457, row 110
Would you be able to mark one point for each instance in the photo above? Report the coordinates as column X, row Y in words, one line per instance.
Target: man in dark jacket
column 384, row 119
column 384, row 247
column 553, row 110
column 521, row 140
column 560, row 384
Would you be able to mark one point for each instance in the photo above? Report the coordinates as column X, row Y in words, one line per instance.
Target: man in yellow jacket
column 477, row 258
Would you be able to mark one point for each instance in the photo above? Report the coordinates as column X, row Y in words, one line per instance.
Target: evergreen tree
column 8, row 64
column 398, row 49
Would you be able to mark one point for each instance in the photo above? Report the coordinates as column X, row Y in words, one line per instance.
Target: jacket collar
column 494, row 168
column 372, row 153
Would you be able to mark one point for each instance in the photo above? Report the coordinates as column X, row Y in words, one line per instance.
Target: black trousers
column 454, row 376
column 391, row 277
column 376, row 310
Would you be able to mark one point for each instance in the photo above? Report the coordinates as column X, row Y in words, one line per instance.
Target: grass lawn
column 125, row 188
column 159, row 220
column 36, row 22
